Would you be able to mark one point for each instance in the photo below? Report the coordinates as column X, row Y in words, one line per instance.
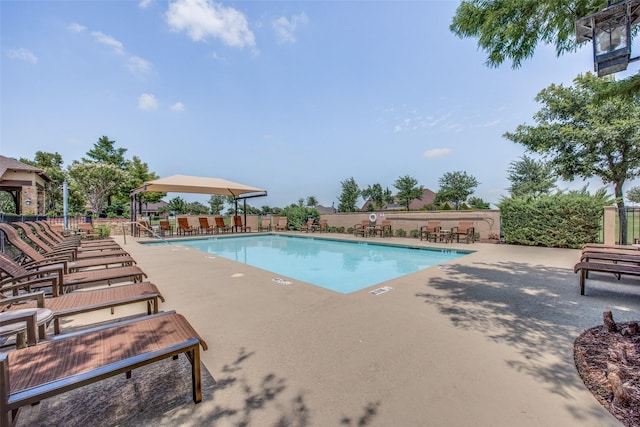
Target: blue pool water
column 339, row 266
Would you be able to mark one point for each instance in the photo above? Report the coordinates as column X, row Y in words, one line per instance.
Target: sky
column 294, row 97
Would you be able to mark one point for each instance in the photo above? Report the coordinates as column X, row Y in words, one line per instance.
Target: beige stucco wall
column 484, row 221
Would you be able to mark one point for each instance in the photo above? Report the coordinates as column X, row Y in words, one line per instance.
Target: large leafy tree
column 456, row 187
column 104, row 151
column 530, row 177
column 349, row 196
column 584, row 135
column 96, row 181
column 408, row 190
column 137, row 173
column 511, row 29
column 378, row 196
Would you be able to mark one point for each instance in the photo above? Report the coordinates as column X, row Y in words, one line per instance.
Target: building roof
column 8, row 164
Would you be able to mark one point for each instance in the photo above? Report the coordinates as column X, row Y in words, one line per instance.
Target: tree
column 96, row 181
column 530, row 177
column 137, row 174
column 511, row 29
column 104, row 152
column 478, row 203
column 408, row 190
column 216, row 203
column 456, row 187
column 51, row 163
column 312, row 202
column 349, row 196
column 177, row 206
column 7, row 204
column 584, row 135
column 196, row 208
column 378, row 196
column 634, row 194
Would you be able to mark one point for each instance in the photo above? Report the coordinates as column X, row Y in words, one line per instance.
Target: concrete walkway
column 486, row 340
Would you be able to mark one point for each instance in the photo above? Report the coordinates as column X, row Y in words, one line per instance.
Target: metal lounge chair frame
column 617, row 269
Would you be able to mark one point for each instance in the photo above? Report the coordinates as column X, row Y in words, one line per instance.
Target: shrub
column 560, row 220
column 341, row 229
column 102, row 230
column 401, row 233
column 415, row 233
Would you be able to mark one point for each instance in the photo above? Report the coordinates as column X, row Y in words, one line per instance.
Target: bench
column 67, row 362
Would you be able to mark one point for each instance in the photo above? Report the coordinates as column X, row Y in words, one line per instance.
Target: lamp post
column 610, row 32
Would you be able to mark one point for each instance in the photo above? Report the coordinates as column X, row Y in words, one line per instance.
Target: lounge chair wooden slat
column 68, row 362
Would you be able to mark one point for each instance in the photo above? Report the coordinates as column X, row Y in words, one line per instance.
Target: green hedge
column 560, row 220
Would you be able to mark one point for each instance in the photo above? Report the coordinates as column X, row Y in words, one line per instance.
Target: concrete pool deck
column 483, row 340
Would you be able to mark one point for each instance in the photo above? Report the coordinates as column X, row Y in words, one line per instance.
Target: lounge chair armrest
column 51, row 267
column 47, row 263
column 38, row 296
column 29, row 281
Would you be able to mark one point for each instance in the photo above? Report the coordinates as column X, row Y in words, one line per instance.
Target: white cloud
column 178, row 106
column 77, row 28
column 202, row 19
column 143, row 4
column 437, row 152
column 285, row 29
column 108, row 41
column 489, row 124
column 147, row 102
column 137, row 65
column 23, row 55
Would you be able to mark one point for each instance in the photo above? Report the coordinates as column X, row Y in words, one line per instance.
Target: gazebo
column 25, row 183
column 196, row 184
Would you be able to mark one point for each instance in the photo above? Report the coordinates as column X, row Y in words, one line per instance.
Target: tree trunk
column 622, row 213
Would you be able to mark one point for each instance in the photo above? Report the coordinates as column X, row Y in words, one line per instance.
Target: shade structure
column 198, row 184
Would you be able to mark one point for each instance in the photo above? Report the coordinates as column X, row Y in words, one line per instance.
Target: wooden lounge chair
column 237, row 223
column 265, row 224
column 165, row 228
column 617, row 269
column 16, row 274
column 35, row 373
column 75, row 303
column 221, row 227
column 323, row 225
column 384, row 229
column 465, row 230
column 430, row 231
column 77, row 252
column 184, row 227
column 64, row 258
column 626, row 257
column 308, row 226
column 362, row 229
column 282, row 224
column 593, row 247
column 76, row 239
column 205, row 227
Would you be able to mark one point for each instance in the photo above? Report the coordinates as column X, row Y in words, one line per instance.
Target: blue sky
column 293, row 97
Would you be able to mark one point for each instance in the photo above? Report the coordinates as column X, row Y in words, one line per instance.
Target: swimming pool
column 336, row 265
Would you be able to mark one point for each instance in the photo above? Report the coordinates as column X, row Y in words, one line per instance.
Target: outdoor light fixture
column 610, row 32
